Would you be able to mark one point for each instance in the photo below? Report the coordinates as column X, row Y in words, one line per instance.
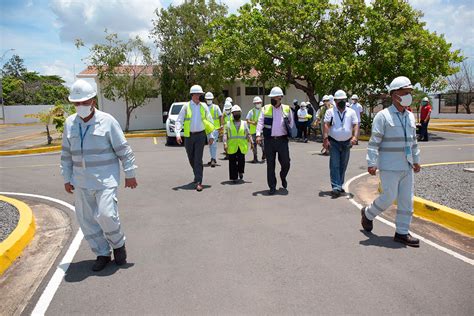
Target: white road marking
column 425, row 240
column 53, row 284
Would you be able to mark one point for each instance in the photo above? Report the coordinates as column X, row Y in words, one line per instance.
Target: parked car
column 173, row 113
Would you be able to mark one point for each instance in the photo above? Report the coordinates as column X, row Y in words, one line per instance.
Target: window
column 251, row 91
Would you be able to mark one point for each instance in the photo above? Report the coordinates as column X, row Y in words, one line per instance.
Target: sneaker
column 199, row 187
column 335, row 194
column 100, row 263
column 255, row 160
column 120, row 255
column 264, row 157
column 407, row 240
column 272, row 191
column 209, row 163
column 367, row 224
column 213, row 163
column 241, row 176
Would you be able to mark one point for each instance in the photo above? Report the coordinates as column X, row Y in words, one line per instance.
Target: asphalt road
column 231, row 249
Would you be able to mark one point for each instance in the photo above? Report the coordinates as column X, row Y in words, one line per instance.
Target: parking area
column 232, row 249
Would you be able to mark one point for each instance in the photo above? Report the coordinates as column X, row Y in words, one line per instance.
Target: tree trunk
column 50, row 139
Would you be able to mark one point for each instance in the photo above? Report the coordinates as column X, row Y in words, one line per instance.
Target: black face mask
column 237, row 117
column 201, row 98
column 273, row 102
column 341, row 105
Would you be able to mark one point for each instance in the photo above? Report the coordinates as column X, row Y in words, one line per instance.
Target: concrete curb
column 40, row 150
column 11, row 248
column 458, row 221
column 450, row 130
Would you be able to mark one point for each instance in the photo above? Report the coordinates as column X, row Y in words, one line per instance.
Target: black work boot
column 367, row 224
column 120, row 255
column 407, row 240
column 100, row 263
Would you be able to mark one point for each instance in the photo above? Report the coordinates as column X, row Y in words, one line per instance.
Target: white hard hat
column 355, row 97
column 303, row 104
column 227, row 105
column 326, row 98
column 340, row 95
column 295, row 100
column 229, row 99
column 425, row 99
column 257, row 100
column 209, row 96
column 276, row 92
column 81, row 90
column 196, row 89
column 321, row 103
column 331, row 97
column 235, row 108
column 400, row 83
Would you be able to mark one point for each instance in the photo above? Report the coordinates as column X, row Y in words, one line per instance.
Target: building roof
column 91, row 71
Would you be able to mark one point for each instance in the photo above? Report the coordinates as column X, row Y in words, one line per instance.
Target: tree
column 179, row 33
column 124, row 69
column 15, row 67
column 463, row 81
column 320, row 47
column 49, row 117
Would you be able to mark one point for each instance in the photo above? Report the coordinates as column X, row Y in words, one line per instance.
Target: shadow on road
column 230, row 182
column 380, row 241
column 190, row 186
column 280, row 191
column 79, row 271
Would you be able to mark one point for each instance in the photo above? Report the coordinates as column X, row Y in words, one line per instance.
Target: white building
column 150, row 116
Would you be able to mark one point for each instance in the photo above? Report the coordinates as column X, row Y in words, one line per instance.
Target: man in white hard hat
column 198, row 124
column 340, row 134
column 296, row 128
column 357, row 107
column 92, row 146
column 394, row 151
column 274, row 124
column 303, row 121
column 252, row 120
column 227, row 118
column 236, row 139
column 218, row 120
column 425, row 118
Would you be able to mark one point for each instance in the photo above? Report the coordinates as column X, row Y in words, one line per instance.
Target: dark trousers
column 339, row 158
column 194, row 145
column 272, row 147
column 303, row 126
column 236, row 164
column 424, row 130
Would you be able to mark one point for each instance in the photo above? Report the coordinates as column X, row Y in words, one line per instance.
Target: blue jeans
column 213, row 147
column 339, row 158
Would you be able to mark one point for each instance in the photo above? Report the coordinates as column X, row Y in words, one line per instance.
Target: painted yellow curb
column 450, row 130
column 20, row 237
column 38, row 150
column 453, row 219
column 364, row 137
column 138, row 135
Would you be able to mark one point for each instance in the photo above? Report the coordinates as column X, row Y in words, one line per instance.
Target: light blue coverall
column 393, row 149
column 90, row 161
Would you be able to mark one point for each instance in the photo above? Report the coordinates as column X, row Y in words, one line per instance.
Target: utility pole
column 1, row 83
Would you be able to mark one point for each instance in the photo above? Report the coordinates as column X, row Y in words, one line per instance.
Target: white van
column 173, row 113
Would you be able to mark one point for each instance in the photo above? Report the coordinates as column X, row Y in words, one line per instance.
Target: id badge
column 408, row 150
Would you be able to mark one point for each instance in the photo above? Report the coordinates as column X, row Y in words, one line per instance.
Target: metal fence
column 458, row 103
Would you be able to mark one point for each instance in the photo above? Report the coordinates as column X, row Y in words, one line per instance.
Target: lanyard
column 404, row 125
column 341, row 117
column 82, row 136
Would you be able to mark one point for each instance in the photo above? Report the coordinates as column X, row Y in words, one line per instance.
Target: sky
column 43, row 32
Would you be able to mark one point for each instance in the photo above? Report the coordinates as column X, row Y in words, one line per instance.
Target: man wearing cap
column 274, row 124
column 340, row 134
column 393, row 150
column 218, row 120
column 92, row 146
column 357, row 107
column 236, row 139
column 252, row 120
column 197, row 122
column 303, row 121
column 425, row 118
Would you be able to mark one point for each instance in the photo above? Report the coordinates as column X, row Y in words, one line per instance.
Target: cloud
column 87, row 20
column 59, row 68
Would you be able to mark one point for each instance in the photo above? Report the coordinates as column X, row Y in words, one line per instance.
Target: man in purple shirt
column 274, row 124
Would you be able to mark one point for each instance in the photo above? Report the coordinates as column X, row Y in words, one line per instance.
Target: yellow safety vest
column 236, row 139
column 255, row 116
column 268, row 118
column 208, row 126
column 228, row 118
column 215, row 116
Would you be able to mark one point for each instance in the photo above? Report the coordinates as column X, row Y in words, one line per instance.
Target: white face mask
column 209, row 102
column 406, row 100
column 83, row 110
column 258, row 105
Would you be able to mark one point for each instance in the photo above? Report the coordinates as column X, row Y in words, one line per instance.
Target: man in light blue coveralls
column 393, row 149
column 93, row 144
